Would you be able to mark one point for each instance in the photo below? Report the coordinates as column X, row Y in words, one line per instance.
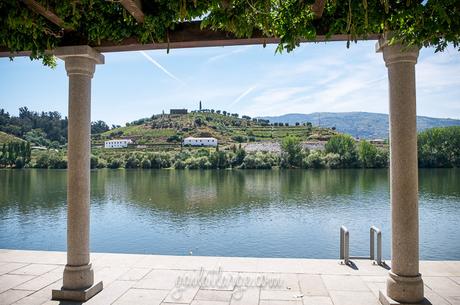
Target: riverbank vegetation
column 40, row 140
column 437, row 147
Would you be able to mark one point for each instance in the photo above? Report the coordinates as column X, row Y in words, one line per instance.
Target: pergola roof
column 184, row 35
column 36, row 27
column 190, row 35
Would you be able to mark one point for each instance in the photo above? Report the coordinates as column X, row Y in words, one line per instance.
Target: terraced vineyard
column 168, row 130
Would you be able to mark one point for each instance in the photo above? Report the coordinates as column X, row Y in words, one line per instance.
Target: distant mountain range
column 366, row 125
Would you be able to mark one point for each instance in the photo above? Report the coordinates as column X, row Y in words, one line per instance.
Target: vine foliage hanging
column 424, row 23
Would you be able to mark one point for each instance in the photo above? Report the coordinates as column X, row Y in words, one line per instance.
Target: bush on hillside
column 314, row 160
column 259, row 160
column 115, row 163
column 439, row 147
column 344, row 146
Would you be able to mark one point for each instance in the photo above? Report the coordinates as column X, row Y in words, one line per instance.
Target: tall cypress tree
column 22, row 150
column 11, row 156
column 3, row 158
column 28, row 153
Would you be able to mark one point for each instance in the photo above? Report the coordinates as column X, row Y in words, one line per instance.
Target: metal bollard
column 374, row 230
column 344, row 245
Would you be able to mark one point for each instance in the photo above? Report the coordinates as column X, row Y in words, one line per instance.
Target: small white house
column 200, row 141
column 120, row 143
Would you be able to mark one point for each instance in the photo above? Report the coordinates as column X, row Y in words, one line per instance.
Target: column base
column 405, row 289
column 386, row 300
column 77, row 295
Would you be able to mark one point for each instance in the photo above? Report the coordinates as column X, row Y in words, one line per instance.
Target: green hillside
column 7, row 138
column 171, row 129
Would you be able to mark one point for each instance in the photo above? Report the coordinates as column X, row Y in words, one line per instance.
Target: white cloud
column 323, row 84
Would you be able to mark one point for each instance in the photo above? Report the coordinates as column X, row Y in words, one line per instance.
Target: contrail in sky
column 153, row 61
column 242, row 95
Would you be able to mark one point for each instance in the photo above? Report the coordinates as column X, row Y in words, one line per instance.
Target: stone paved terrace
column 27, row 277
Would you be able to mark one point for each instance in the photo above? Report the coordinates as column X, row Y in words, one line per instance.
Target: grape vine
column 423, row 23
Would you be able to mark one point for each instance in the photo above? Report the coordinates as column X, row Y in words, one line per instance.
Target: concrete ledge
column 386, row 300
column 77, row 295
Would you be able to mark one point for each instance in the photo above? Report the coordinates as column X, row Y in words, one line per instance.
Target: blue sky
column 248, row 80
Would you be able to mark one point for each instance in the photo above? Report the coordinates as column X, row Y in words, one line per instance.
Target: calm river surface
column 274, row 213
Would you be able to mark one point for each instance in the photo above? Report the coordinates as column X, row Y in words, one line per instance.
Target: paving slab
column 443, row 286
column 182, row 295
column 344, row 283
column 142, row 297
column 134, row 274
column 316, row 300
column 12, row 295
column 8, row 281
column 27, row 278
column 9, row 267
column 312, row 285
column 245, row 296
column 354, row 298
column 111, row 293
column 214, row 295
column 34, row 269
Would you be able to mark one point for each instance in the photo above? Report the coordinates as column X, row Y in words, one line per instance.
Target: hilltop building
column 200, row 141
column 178, row 111
column 119, row 143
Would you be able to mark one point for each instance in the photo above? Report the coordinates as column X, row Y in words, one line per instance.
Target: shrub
column 42, row 160
column 238, row 159
column 239, row 139
column 197, row 163
column 259, row 160
column 202, row 152
column 19, row 163
column 218, row 159
column 382, row 158
column 179, row 164
column 160, row 160
column 145, row 163
column 174, row 138
column 101, row 163
column 57, row 161
column 371, row 156
column 343, row 145
column 314, row 160
column 291, row 152
column 94, row 162
column 115, row 163
column 332, row 160
column 439, row 147
column 132, row 161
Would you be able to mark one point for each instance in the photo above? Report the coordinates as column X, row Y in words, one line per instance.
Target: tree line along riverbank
column 437, row 147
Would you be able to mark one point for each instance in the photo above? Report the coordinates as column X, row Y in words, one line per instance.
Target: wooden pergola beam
column 134, row 7
column 41, row 10
column 318, row 8
column 188, row 35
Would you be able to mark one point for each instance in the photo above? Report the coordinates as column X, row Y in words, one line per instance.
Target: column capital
column 79, row 59
column 396, row 52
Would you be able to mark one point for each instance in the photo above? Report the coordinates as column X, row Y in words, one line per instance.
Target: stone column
column 78, row 280
column 404, row 283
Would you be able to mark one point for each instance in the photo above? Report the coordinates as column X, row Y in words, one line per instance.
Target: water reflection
column 284, row 213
